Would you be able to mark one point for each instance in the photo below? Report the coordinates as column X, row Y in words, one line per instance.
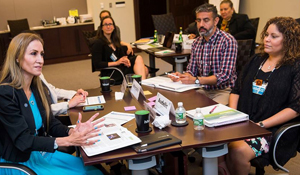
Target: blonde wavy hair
column 291, row 38
column 11, row 68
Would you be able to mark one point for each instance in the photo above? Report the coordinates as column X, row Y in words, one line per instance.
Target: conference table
column 179, row 58
column 210, row 139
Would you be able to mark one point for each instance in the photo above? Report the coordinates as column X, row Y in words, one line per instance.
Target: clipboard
column 155, row 141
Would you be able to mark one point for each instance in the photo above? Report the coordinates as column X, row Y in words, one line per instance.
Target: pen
column 171, row 75
column 158, row 141
column 211, row 111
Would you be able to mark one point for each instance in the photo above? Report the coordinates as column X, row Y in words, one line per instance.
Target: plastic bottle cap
column 198, row 109
column 180, row 103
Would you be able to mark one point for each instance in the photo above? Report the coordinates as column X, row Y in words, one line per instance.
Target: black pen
column 158, row 141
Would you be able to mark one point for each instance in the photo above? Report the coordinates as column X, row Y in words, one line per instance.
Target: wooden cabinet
column 61, row 43
column 4, row 42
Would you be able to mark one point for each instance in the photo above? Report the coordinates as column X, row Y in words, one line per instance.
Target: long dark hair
column 115, row 40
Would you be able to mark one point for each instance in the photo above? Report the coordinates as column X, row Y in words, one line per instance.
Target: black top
column 240, row 27
column 282, row 91
column 17, row 126
column 101, row 55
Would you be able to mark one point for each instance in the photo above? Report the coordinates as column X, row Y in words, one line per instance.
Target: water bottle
column 180, row 113
column 180, row 39
column 198, row 120
column 155, row 36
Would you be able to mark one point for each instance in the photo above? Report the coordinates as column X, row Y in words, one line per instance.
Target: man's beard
column 207, row 32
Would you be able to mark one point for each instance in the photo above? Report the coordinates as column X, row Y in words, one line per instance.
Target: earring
column 17, row 60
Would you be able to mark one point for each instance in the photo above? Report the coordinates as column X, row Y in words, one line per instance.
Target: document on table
column 167, row 84
column 112, row 137
column 218, row 115
column 118, row 118
column 93, row 100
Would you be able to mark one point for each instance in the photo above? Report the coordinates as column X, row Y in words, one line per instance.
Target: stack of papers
column 112, row 137
column 218, row 115
column 167, row 84
column 93, row 100
column 143, row 41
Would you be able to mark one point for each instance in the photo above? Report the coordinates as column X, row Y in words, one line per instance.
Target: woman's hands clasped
column 124, row 60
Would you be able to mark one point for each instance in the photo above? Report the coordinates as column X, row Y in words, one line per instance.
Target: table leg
column 210, row 156
column 140, row 166
column 179, row 63
column 152, row 64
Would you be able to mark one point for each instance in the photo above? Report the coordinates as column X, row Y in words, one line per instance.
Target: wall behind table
column 266, row 9
column 37, row 10
column 123, row 16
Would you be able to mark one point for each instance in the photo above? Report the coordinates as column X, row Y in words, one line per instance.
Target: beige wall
column 37, row 10
column 123, row 16
column 266, row 9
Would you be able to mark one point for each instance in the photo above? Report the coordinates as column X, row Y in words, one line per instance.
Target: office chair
column 255, row 22
column 89, row 37
column 284, row 146
column 298, row 20
column 18, row 26
column 243, row 54
column 164, row 23
column 19, row 167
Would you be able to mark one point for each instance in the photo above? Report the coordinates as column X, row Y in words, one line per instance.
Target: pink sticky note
column 152, row 98
column 130, row 108
column 151, row 103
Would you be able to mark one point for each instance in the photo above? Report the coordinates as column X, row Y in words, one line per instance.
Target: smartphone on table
column 93, row 108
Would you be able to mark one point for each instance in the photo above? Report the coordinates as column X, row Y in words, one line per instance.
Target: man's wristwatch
column 261, row 124
column 197, row 81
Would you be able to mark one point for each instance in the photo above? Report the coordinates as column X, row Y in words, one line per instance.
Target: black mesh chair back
column 243, row 54
column 90, row 37
column 164, row 23
column 298, row 20
column 18, row 26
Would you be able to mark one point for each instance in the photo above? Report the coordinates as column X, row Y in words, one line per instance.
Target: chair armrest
column 19, row 167
column 278, row 141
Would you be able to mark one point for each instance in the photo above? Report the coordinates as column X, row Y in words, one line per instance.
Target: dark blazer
column 192, row 29
column 17, row 126
column 240, row 27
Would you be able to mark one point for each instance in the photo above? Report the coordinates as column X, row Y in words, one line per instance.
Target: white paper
column 119, row 95
column 167, row 84
column 135, row 89
column 112, row 137
column 163, row 105
column 93, row 100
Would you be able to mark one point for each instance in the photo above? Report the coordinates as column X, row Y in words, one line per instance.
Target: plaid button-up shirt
column 216, row 56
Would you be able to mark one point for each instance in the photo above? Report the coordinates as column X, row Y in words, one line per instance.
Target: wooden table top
column 190, row 138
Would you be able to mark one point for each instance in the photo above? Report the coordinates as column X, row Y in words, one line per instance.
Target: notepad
column 93, row 100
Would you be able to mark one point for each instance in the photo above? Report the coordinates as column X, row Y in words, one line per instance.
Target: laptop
column 166, row 45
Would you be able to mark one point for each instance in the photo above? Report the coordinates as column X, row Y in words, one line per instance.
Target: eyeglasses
column 108, row 25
